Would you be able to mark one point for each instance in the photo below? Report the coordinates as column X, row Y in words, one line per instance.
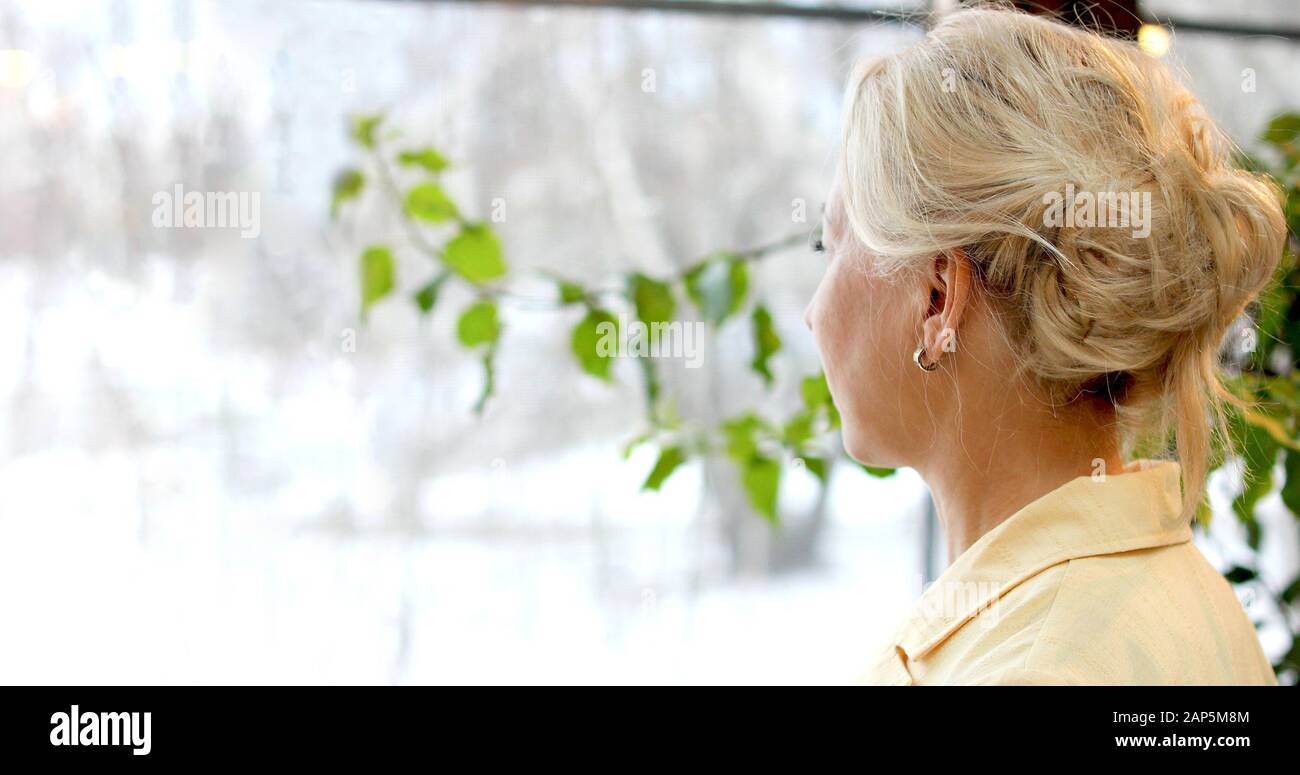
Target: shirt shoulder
column 1000, row 638
column 1022, row 676
column 1162, row 615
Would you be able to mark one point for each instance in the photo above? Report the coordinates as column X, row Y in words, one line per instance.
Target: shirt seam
column 1047, row 618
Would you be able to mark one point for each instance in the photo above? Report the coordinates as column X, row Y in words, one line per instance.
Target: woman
column 1036, row 244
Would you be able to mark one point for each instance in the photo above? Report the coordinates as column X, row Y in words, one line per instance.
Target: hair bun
column 994, row 133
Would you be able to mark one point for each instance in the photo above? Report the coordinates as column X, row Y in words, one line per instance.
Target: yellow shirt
column 1096, row 582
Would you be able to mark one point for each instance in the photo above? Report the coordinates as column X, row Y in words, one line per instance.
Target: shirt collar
column 1138, row 509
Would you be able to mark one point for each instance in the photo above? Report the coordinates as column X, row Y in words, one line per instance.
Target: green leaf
column 799, row 430
column 817, row 398
column 668, row 462
column 427, row 296
column 815, row 391
column 429, row 202
column 817, row 467
column 570, row 292
column 489, row 379
column 475, row 254
column 347, row 185
column 377, row 275
column 1240, row 575
column 1254, row 533
column 650, row 379
column 595, row 343
column 479, row 325
column 1291, row 488
column 636, row 441
column 762, row 478
column 1273, row 426
column 1204, row 514
column 652, row 298
column 427, row 158
column 1246, row 161
column 766, row 343
column 1283, row 129
column 363, row 129
column 1285, row 391
column 742, row 435
column 1270, row 312
column 1292, row 591
column 1258, row 453
column 717, row 286
column 1291, row 660
column 879, row 473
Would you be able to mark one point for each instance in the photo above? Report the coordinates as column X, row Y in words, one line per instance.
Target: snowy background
column 199, row 480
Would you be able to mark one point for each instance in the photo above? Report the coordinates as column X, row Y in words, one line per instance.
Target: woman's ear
column 949, row 287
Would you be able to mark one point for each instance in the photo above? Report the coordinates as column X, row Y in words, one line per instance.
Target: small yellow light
column 17, row 67
column 1154, row 39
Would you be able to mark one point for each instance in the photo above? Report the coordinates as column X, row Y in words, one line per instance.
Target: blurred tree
column 1261, row 361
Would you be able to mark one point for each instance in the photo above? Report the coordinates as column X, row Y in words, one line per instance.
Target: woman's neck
column 998, row 462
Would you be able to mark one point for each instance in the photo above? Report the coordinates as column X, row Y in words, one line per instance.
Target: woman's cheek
column 833, row 327
column 818, row 315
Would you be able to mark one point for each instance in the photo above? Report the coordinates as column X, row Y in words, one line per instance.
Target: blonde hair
column 960, row 141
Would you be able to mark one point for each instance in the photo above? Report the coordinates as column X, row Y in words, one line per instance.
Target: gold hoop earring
column 920, row 364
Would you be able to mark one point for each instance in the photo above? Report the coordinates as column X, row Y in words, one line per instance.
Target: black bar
column 240, row 726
